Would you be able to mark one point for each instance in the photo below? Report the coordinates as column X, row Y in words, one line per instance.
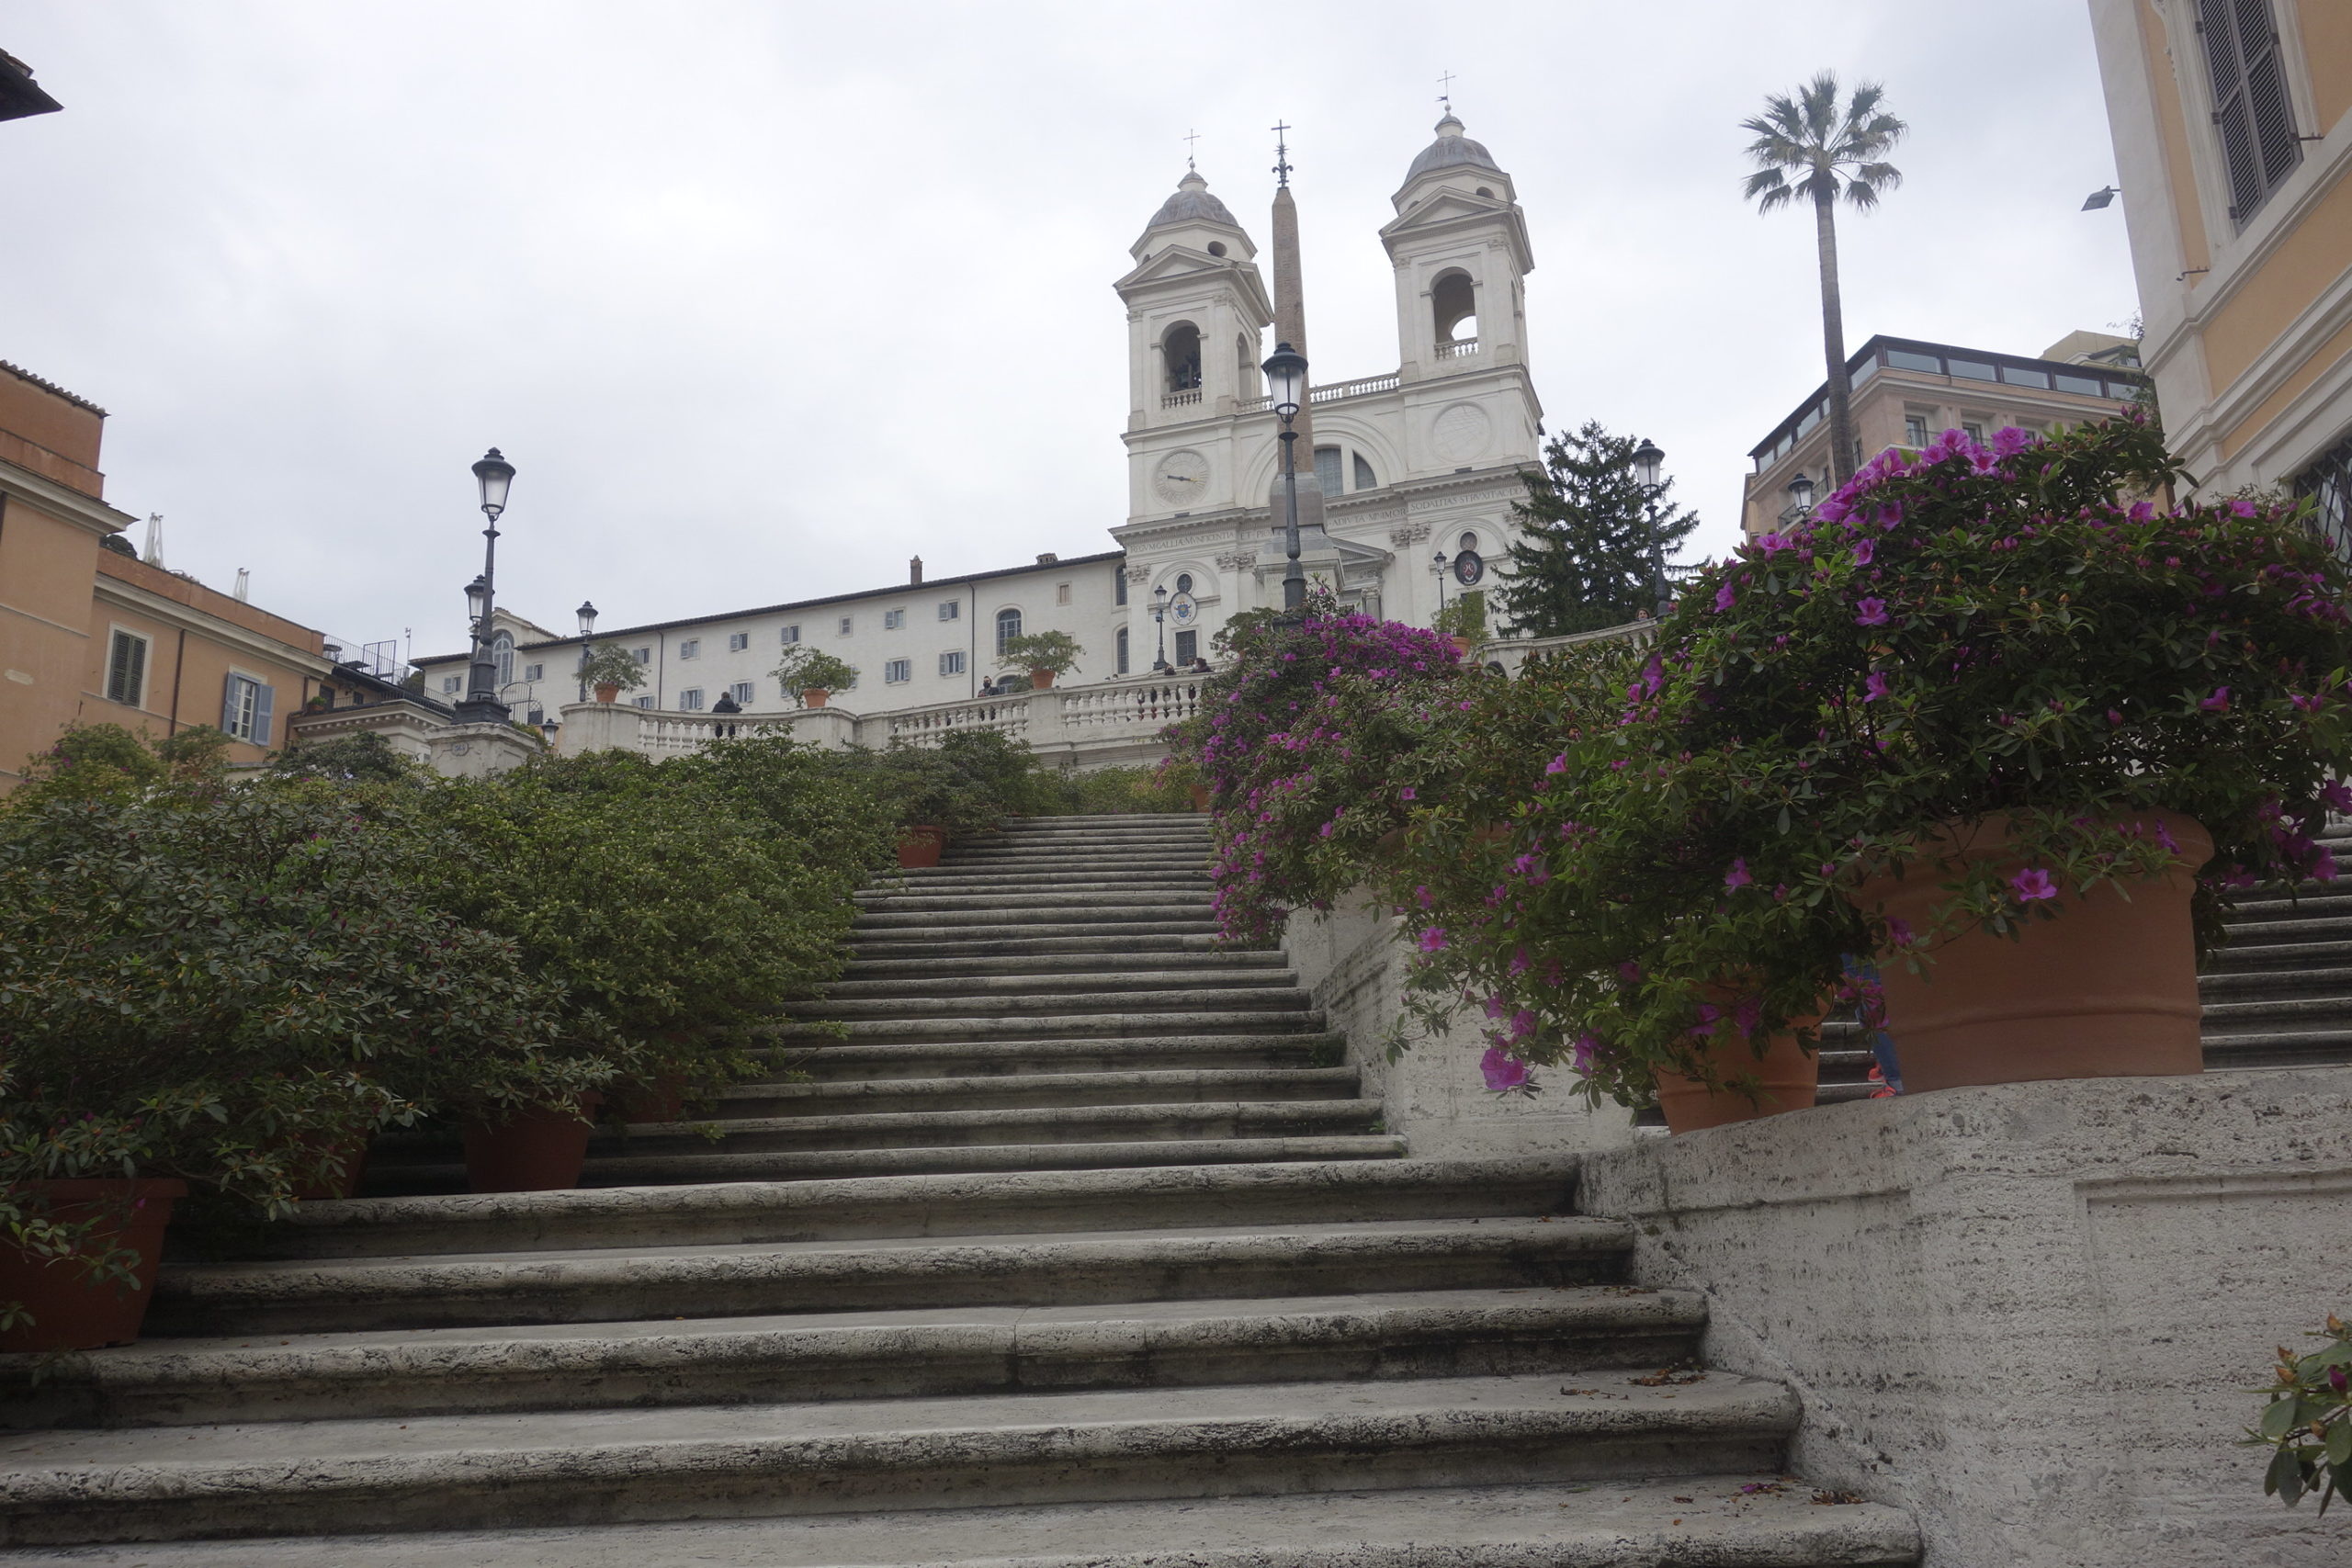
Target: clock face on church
column 1182, row 478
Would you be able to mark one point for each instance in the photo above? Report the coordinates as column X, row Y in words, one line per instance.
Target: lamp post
column 1160, row 619
column 1801, row 495
column 1647, row 461
column 493, row 475
column 1287, row 387
column 1439, row 565
column 587, row 613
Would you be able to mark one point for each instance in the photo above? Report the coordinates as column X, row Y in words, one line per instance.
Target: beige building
column 1906, row 392
column 2232, row 126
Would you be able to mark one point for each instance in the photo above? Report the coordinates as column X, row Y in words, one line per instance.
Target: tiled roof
column 47, row 386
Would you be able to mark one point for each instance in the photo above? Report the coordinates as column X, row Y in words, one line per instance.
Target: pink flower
column 1865, row 550
column 1558, row 764
column 2218, row 703
column 1725, row 597
column 1504, row 1075
column 1586, row 1043
column 1433, row 939
column 2337, row 798
column 1876, row 687
column 1873, row 612
column 1736, row 877
column 1899, row 933
column 2033, row 883
column 2009, row 441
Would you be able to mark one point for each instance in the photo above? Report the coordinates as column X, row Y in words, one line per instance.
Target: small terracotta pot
column 609, row 692
column 71, row 1310
column 1042, row 680
column 532, row 1151
column 352, row 1151
column 814, row 696
column 1789, row 1077
column 918, row 846
column 2107, row 989
column 1461, row 644
column 1200, row 797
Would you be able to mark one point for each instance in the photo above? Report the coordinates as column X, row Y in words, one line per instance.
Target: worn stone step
column 934, row 925
column 2254, row 984
column 444, row 1472
column 2279, row 955
column 2222, row 1018
column 1056, row 981
column 1171, row 1198
column 815, row 1098
column 1167, row 959
column 827, row 1063
column 2300, row 927
column 987, row 1002
column 2304, row 902
column 1066, row 894
column 1026, row 873
column 904, row 1353
column 1059, row 1025
column 695, row 1165
column 370, row 1294
column 1080, row 1124
column 1702, row 1521
column 1181, row 936
column 2277, row 1047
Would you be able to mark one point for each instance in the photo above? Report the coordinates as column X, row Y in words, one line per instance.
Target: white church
column 1420, row 460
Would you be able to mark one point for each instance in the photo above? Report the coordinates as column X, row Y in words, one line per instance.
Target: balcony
column 1460, row 348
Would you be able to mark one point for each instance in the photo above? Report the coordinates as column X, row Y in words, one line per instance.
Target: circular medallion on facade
column 1460, row 433
column 1184, row 610
column 1469, row 569
column 1182, row 478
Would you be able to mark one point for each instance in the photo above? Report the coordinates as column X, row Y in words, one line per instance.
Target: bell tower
column 1459, row 245
column 1197, row 312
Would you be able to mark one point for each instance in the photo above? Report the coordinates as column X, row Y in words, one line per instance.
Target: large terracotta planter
column 71, row 1310
column 1461, row 646
column 918, row 846
column 2107, row 989
column 814, row 696
column 1788, row 1077
column 608, row 692
column 1040, row 680
column 1200, row 797
column 532, row 1151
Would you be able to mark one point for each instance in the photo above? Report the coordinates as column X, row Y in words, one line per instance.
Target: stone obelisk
column 1290, row 327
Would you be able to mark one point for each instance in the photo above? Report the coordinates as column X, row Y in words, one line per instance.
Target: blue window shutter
column 264, row 697
column 229, row 704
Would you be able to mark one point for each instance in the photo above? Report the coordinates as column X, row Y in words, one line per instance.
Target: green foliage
column 610, row 664
column 1054, row 651
column 803, row 668
column 365, row 758
column 1464, row 615
column 106, row 761
column 1807, row 145
column 1582, row 559
column 2308, row 1421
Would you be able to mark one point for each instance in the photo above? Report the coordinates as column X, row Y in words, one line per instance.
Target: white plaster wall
column 1353, row 960
column 2031, row 1313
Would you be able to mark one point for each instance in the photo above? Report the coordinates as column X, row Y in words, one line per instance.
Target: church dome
column 1192, row 203
column 1451, row 150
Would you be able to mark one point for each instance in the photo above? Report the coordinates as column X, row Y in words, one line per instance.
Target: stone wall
column 2030, row 1314
column 1353, row 960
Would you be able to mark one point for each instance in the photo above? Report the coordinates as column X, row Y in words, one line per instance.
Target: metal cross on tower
column 1190, row 137
column 1281, row 155
column 1445, row 94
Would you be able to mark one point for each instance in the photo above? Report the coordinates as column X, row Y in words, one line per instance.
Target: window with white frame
column 951, row 609
column 789, row 635
column 502, row 656
column 691, row 699
column 897, row 672
column 952, row 661
column 741, row 691
column 450, row 684
column 1119, row 585
column 1061, row 592
column 738, row 641
column 644, row 702
column 1008, row 627
column 690, row 648
column 126, row 668
column 642, row 655
column 1915, row 429
column 535, row 671
column 245, row 704
column 893, row 619
column 847, row 623
column 1123, row 651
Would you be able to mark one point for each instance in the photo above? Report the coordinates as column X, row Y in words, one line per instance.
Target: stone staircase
column 1081, row 1247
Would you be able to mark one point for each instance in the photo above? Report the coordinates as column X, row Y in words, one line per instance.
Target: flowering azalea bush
column 1959, row 633
column 1306, row 740
column 2308, row 1422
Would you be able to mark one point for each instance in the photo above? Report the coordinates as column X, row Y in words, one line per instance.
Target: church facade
column 1395, row 468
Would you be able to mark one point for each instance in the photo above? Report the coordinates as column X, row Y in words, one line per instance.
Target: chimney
column 914, row 571
column 1046, row 557
column 245, row 585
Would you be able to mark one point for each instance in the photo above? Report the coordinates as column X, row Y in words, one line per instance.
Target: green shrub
column 610, row 664
column 1057, row 652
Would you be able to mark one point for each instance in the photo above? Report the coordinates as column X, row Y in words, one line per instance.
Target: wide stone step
column 2240, row 956
column 1167, row 959
column 2317, row 1046
column 935, row 925
column 930, row 1352
column 1061, row 1025
column 827, row 1063
column 1055, row 980
column 1171, row 1198
column 1067, row 893
column 1707, row 1521
column 350, row 1295
column 1027, row 873
column 446, row 1472
column 811, row 1098
column 1036, row 942
column 702, row 1164
column 2225, row 1017
column 990, row 1002
column 1080, row 1124
column 2300, row 928
column 2256, row 984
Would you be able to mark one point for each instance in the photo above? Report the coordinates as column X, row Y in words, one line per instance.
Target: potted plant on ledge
column 1044, row 655
column 609, row 669
column 813, row 676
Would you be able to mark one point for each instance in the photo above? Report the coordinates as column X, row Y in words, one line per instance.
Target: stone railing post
column 601, row 726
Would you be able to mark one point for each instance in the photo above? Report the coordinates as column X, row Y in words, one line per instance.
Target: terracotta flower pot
column 531, row 1151
column 71, row 1310
column 1042, row 680
column 1461, row 644
column 1789, row 1077
column 609, row 691
column 1200, row 797
column 814, row 696
column 351, row 1151
column 918, row 846
column 2107, row 989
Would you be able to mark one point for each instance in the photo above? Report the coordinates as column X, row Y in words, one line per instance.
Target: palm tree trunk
column 1833, row 341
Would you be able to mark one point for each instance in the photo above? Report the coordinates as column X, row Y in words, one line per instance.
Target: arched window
column 1008, row 627
column 1365, row 479
column 1245, row 365
column 1123, row 651
column 1181, row 349
column 1453, row 306
column 501, row 654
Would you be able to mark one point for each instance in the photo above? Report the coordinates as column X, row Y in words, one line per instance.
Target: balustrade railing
column 1146, row 705
column 1007, row 716
column 1184, row 399
column 1460, row 348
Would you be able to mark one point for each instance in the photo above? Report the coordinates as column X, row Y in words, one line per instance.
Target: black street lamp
column 493, row 474
column 1159, row 618
column 1286, row 386
column 1801, row 495
column 1647, row 462
column 1439, row 565
column 587, row 613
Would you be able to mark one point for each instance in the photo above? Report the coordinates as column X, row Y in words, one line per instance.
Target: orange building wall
column 187, row 665
column 46, row 566
column 2326, row 26
column 49, row 432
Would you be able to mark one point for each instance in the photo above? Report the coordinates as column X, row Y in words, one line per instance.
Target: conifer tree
column 1582, row 561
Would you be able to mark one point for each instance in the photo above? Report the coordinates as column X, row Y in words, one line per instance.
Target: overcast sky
column 762, row 299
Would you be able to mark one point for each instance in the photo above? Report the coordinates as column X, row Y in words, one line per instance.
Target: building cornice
column 69, row 505
column 114, row 591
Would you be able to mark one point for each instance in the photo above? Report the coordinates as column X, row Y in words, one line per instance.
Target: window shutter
column 264, row 697
column 2251, row 108
column 229, row 704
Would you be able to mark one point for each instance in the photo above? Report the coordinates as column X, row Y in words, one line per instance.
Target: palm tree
column 1805, row 146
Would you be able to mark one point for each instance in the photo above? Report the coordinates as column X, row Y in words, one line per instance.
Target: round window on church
column 1184, row 582
column 1216, row 247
